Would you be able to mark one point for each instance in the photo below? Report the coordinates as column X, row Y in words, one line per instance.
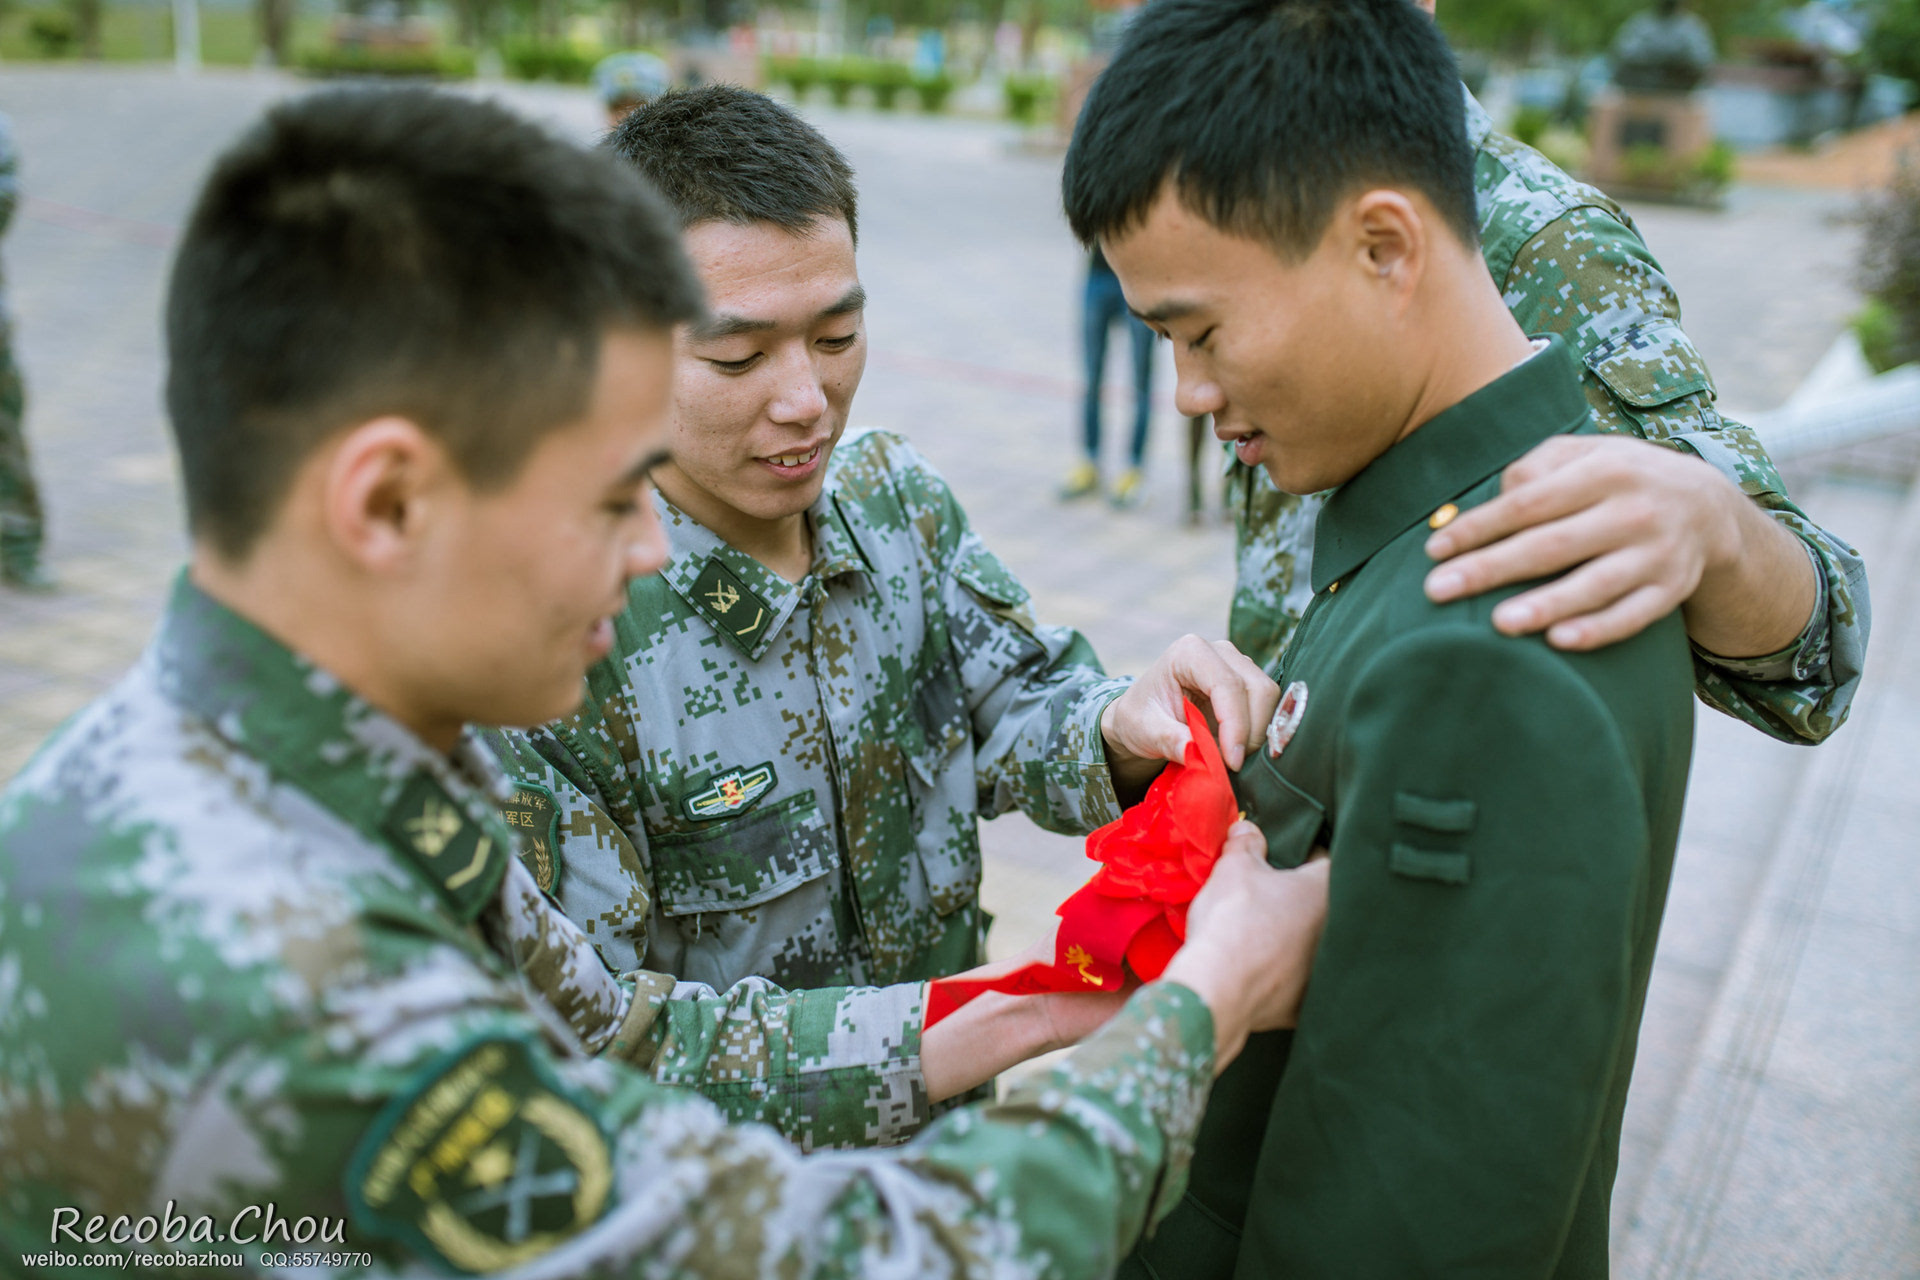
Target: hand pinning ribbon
column 1132, row 916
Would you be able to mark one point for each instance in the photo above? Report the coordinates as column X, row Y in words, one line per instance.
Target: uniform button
column 1443, row 517
column 1333, row 586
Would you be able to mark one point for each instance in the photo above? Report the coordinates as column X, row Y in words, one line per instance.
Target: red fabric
column 1132, row 916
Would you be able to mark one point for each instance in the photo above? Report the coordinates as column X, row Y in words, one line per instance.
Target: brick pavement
column 975, row 284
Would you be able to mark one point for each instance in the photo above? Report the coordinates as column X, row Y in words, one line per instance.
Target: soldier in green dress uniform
column 1285, row 188
column 274, row 981
column 1777, row 607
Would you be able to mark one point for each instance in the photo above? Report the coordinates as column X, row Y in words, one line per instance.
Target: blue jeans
column 1104, row 305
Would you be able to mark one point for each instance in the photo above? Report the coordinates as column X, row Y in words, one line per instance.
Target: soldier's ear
column 383, row 483
column 1389, row 242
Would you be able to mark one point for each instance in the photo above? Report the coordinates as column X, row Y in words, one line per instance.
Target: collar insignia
column 535, row 818
column 731, row 605
column 464, row 862
column 731, row 792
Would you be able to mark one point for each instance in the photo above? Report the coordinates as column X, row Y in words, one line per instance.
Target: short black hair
column 721, row 153
column 1265, row 114
column 365, row 252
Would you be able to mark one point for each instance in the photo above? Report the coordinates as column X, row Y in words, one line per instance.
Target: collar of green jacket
column 1446, row 456
column 1479, row 123
column 744, row 600
column 311, row 732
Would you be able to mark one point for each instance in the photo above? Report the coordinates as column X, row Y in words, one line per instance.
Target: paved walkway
column 975, row 283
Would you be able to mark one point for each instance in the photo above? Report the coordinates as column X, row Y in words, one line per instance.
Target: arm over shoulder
column 1588, row 276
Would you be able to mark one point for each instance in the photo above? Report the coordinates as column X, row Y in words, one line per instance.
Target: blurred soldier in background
column 21, row 518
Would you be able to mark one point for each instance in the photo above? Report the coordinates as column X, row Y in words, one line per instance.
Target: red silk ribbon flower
column 1133, row 914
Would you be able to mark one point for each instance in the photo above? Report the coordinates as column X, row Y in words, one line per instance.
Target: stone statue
column 1662, row 50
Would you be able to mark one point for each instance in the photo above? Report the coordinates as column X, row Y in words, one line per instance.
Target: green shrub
column 1890, row 269
column 934, row 91
column 533, row 60
column 436, row 64
column 887, row 80
column 798, row 74
column 1025, row 94
column 1716, row 167
column 54, row 33
column 1531, row 124
column 841, row 78
column 1878, row 331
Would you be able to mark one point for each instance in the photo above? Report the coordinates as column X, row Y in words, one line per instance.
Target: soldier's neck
column 1475, row 341
column 295, row 598
column 784, row 544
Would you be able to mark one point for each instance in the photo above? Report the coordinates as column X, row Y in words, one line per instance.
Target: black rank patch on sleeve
column 730, row 605
column 486, row 1163
column 535, row 818
column 465, row 862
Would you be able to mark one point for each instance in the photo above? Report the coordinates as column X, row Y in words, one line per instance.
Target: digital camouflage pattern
column 785, row 779
column 1570, row 261
column 21, row 518
column 260, row 944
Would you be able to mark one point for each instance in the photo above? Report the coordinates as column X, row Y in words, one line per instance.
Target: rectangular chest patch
column 732, row 792
column 731, row 606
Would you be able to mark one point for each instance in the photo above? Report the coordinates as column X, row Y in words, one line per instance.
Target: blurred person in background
column 22, row 520
column 1101, row 306
column 628, row 80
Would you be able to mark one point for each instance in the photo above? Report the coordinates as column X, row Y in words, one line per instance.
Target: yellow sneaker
column 1126, row 490
column 1081, row 481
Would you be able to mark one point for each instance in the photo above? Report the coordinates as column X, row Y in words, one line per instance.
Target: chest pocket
column 1290, row 819
column 742, row 862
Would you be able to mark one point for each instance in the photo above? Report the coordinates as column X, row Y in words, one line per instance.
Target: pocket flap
column 982, row 572
column 742, row 862
column 1650, row 363
column 1290, row 819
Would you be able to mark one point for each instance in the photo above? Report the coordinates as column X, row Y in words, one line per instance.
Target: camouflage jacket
column 263, row 954
column 784, row 779
column 1571, row 262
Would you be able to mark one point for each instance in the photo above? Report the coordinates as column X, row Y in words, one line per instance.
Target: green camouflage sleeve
column 1059, row 1180
column 829, row 1067
column 1588, row 277
column 1035, row 693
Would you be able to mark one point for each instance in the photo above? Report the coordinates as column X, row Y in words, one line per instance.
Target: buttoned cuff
column 1801, row 659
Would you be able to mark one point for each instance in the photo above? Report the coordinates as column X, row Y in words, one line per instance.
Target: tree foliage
column 1524, row 28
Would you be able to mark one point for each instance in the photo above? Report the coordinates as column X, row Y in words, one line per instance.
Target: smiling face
column 762, row 388
column 518, row 584
column 1307, row 367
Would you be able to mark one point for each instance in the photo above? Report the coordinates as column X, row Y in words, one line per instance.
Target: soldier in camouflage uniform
column 21, row 519
column 780, row 768
column 1570, row 261
column 267, row 952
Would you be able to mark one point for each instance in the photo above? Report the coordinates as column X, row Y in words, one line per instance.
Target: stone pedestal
column 1646, row 140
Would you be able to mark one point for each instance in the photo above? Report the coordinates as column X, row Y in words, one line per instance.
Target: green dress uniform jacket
column 786, row 779
column 266, row 957
column 1502, row 819
column 1569, row 261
